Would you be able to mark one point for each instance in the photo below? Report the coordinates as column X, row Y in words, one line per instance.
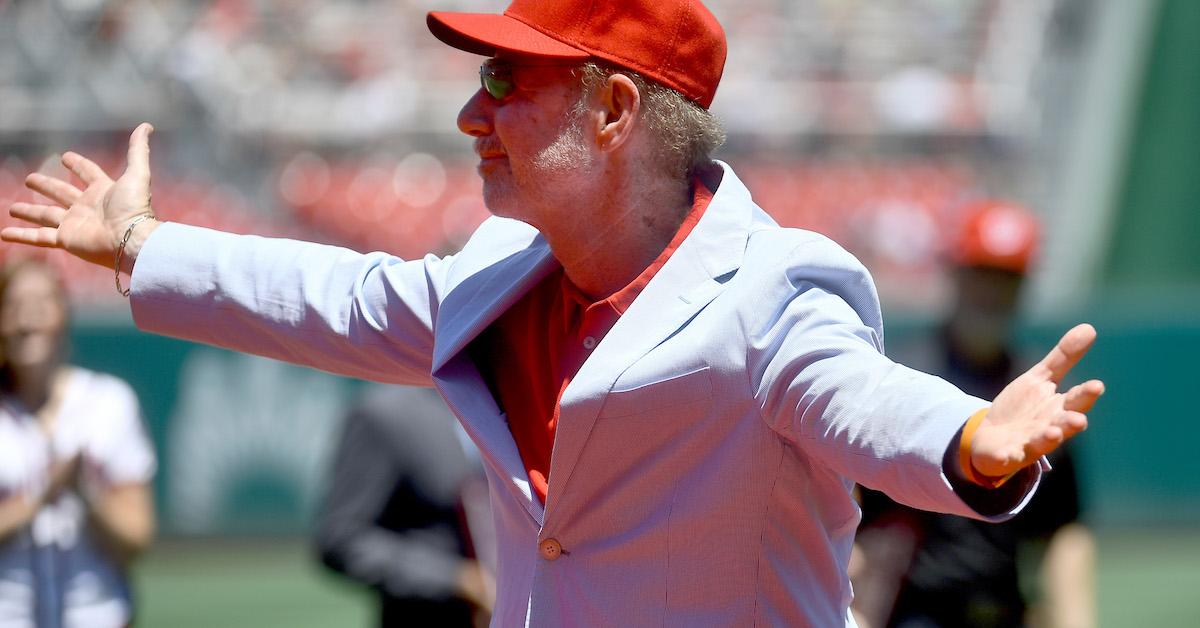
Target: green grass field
column 1146, row 579
column 1149, row 578
column 244, row 584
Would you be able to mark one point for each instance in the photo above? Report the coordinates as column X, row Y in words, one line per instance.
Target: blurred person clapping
column 75, row 469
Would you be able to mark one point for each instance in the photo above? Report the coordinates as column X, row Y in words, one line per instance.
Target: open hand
column 88, row 223
column 1030, row 418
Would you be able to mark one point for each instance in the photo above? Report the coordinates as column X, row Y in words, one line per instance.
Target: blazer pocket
column 691, row 387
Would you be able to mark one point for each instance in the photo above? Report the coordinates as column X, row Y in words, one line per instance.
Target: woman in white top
column 75, row 470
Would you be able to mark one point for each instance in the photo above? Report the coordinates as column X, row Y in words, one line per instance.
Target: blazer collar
column 482, row 297
column 693, row 276
column 713, row 249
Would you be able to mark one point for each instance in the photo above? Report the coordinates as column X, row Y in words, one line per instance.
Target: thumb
column 1069, row 350
column 138, row 160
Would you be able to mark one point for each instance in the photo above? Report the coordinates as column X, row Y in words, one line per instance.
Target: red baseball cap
column 677, row 43
column 997, row 234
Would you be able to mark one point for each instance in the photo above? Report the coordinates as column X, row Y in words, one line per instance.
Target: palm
column 88, row 223
column 125, row 198
column 92, row 226
column 1030, row 418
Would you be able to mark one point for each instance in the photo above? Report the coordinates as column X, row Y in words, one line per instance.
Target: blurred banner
column 244, row 441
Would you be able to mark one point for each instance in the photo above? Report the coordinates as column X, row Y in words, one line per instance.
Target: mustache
column 488, row 147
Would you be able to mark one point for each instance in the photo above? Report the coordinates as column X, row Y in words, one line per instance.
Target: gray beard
column 567, row 152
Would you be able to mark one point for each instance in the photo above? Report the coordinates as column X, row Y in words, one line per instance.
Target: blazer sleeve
column 822, row 382
column 369, row 316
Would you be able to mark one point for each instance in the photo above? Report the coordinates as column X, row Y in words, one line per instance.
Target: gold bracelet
column 121, row 249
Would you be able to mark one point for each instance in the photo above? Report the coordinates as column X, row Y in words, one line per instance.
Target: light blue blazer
column 707, row 449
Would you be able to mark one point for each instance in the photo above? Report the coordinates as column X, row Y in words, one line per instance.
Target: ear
column 620, row 105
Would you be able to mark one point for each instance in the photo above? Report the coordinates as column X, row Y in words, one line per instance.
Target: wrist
column 135, row 234
column 137, row 237
column 965, row 454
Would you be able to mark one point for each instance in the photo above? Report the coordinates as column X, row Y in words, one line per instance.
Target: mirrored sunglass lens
column 497, row 88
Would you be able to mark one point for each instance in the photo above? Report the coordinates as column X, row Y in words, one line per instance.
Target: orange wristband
column 964, row 454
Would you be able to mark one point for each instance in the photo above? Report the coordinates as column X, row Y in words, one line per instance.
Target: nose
column 475, row 118
column 33, row 317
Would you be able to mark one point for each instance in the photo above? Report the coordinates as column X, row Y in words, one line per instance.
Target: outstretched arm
column 1030, row 418
column 90, row 223
column 822, row 382
column 368, row 316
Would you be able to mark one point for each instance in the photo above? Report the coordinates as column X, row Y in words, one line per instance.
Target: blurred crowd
column 334, row 120
column 350, row 70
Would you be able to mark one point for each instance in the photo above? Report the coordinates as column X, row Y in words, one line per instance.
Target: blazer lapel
column 467, row 310
column 691, row 278
column 480, row 299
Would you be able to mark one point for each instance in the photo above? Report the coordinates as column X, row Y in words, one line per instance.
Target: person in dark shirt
column 915, row 569
column 393, row 516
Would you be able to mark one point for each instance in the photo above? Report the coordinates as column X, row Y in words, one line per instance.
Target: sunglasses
column 496, row 77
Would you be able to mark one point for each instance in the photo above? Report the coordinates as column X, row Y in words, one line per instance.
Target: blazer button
column 550, row 549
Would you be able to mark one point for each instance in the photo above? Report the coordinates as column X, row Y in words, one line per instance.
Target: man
column 397, row 511
column 926, row 569
column 673, row 396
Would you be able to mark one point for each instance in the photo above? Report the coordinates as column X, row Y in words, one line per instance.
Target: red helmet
column 997, row 234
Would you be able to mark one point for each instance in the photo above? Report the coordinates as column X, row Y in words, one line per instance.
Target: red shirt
column 529, row 355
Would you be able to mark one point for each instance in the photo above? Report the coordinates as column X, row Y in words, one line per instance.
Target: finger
column 138, row 160
column 57, row 190
column 1046, row 442
column 35, row 236
column 1081, row 398
column 85, row 168
column 44, row 215
column 1072, row 423
column 1070, row 348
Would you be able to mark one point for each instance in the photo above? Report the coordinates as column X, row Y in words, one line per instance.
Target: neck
column 619, row 233
column 33, row 384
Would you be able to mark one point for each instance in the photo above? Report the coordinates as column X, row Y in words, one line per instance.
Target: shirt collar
column 620, row 300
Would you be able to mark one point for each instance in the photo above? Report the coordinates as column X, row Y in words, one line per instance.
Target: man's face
column 531, row 142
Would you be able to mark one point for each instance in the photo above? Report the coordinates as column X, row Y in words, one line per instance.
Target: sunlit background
column 872, row 121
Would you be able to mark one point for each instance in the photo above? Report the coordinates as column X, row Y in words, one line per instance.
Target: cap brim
column 488, row 34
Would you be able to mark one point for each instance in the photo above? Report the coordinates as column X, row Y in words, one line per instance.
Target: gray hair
column 687, row 133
